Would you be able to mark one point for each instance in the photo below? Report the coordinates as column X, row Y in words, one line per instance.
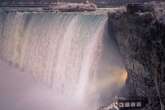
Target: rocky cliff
column 140, row 36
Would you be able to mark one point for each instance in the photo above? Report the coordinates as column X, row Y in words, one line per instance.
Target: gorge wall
column 141, row 40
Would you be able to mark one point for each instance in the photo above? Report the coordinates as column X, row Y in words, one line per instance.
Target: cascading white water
column 72, row 53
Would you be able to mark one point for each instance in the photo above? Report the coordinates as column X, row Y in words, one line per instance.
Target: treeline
column 107, row 3
column 43, row 1
column 100, row 3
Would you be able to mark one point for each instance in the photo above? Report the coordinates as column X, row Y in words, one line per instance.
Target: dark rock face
column 141, row 40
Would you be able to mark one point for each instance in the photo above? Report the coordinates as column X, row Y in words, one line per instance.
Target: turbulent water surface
column 72, row 54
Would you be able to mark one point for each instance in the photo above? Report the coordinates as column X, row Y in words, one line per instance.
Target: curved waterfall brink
column 72, row 53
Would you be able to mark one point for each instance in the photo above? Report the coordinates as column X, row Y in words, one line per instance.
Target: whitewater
column 73, row 55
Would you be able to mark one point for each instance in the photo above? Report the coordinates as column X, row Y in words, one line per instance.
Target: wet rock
column 141, row 40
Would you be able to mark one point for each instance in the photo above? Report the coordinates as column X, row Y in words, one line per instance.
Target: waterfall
column 71, row 53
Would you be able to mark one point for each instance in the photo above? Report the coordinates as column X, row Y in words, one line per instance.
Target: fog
column 19, row 91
